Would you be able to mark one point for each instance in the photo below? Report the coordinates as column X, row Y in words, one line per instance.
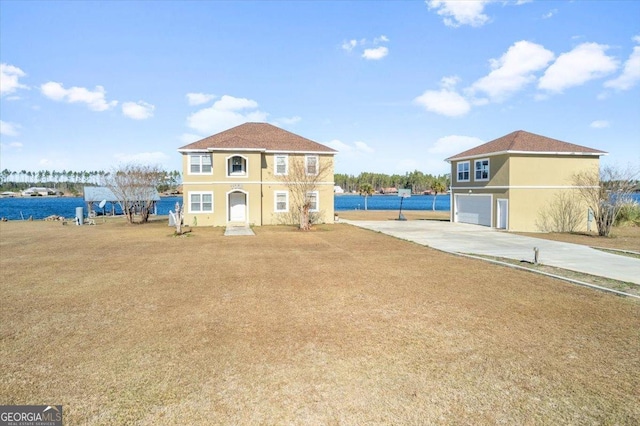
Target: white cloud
column 8, row 129
column 453, row 144
column 339, row 146
column 138, row 110
column 349, row 45
column 358, row 147
column 631, row 72
column 361, row 146
column 382, row 39
column 287, row 121
column 513, row 70
column 406, row 164
column 599, row 124
column 372, row 53
column 375, row 53
column 446, row 101
column 457, row 13
column 225, row 113
column 95, row 99
column 187, row 138
column 550, row 14
column 11, row 146
column 9, row 79
column 199, row 98
column 152, row 158
column 585, row 62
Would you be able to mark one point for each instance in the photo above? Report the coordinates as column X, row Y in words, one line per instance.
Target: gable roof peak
column 258, row 136
column 522, row 141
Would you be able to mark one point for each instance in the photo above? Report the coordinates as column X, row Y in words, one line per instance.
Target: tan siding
column 527, row 205
column 259, row 185
column 548, row 170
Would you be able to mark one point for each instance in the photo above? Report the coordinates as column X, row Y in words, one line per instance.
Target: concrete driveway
column 474, row 239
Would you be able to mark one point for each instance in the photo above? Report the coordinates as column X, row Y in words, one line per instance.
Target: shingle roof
column 521, row 141
column 258, row 136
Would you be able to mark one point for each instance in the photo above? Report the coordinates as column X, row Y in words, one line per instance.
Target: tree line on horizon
column 72, row 180
column 417, row 181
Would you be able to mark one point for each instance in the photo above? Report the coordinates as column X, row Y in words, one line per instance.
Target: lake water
column 41, row 207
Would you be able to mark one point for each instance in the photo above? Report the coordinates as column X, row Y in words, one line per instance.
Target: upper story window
column 463, row 171
column 236, row 166
column 482, row 169
column 281, row 164
column 200, row 164
column 311, row 164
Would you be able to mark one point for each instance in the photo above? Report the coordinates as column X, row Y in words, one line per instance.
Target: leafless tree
column 605, row 191
column 134, row 186
column 303, row 180
column 178, row 216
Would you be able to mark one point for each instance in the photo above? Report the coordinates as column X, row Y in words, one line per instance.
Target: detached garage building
column 507, row 182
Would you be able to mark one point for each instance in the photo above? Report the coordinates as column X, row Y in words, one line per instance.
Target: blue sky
column 394, row 86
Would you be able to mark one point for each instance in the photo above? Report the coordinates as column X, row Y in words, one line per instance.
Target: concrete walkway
column 235, row 230
column 474, row 239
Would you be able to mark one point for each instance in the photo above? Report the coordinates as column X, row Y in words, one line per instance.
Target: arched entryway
column 237, row 206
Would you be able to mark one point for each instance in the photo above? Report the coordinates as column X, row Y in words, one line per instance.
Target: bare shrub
column 563, row 214
column 134, row 186
column 605, row 192
column 303, row 181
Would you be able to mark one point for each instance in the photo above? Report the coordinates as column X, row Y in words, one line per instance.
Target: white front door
column 237, row 207
column 503, row 209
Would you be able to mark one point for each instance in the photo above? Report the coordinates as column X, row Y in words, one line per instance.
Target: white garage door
column 474, row 209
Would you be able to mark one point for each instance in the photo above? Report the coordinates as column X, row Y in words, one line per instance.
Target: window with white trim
column 313, row 199
column 200, row 164
column 281, row 165
column 463, row 171
column 482, row 169
column 281, row 201
column 200, row 202
column 311, row 164
column 236, row 166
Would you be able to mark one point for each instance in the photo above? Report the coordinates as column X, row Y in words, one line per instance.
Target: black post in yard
column 400, row 216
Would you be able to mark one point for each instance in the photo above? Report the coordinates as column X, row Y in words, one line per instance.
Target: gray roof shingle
column 258, row 136
column 521, row 141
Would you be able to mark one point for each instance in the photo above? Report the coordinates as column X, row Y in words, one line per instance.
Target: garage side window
column 482, row 169
column 463, row 171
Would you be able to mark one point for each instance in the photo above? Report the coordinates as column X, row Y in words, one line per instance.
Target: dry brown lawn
column 129, row 325
column 621, row 238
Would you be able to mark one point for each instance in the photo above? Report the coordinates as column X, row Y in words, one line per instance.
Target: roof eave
column 550, row 153
column 288, row 151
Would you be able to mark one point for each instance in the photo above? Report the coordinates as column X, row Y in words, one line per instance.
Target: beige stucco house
column 506, row 183
column 239, row 176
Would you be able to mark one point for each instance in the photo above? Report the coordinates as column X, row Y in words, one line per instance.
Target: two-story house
column 243, row 176
column 506, row 183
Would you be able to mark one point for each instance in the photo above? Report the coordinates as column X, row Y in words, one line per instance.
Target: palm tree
column 365, row 190
column 437, row 186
